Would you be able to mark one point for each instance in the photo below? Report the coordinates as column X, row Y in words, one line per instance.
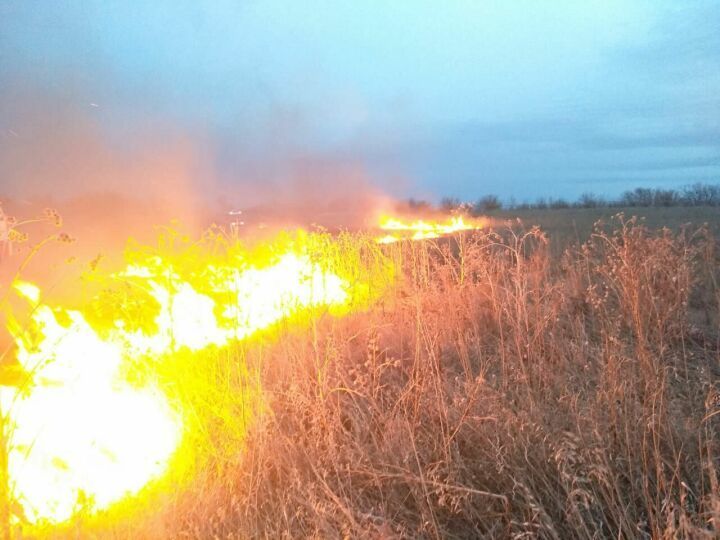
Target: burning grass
column 398, row 229
column 470, row 386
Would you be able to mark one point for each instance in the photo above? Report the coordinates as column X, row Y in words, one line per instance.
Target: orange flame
column 420, row 229
column 81, row 434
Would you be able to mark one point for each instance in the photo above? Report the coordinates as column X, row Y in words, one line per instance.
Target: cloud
column 248, row 101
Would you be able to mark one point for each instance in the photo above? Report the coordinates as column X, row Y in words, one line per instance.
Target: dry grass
column 575, row 225
column 496, row 390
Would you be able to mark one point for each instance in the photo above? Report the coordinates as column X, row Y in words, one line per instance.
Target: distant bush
column 541, row 204
column 665, row 197
column 450, row 204
column 697, row 194
column 637, row 197
column 558, row 203
column 488, row 203
column 418, row 205
column 590, row 200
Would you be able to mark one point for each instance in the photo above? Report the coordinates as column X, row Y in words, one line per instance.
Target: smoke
column 306, row 191
column 115, row 172
column 57, row 150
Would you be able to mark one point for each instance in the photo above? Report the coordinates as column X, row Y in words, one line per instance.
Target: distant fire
column 424, row 228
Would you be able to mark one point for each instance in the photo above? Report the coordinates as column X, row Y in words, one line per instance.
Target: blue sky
column 460, row 98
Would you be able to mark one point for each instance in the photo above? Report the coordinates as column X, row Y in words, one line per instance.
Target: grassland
column 508, row 384
column 566, row 226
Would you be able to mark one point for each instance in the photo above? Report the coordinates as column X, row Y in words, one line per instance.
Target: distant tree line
column 697, row 194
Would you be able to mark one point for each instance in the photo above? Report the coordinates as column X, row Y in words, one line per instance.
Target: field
column 574, row 225
column 509, row 383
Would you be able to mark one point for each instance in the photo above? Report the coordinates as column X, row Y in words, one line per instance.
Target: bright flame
column 235, row 303
column 420, row 229
column 81, row 435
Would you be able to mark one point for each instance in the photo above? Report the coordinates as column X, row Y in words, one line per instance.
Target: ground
column 509, row 383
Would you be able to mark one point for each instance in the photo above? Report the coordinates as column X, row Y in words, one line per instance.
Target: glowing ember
column 420, row 229
column 81, row 435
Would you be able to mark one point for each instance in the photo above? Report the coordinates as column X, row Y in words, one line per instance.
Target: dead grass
column 567, row 226
column 497, row 390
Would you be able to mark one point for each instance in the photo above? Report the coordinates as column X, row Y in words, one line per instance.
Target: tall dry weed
column 493, row 390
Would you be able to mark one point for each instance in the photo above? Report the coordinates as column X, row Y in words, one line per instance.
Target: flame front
column 420, row 229
column 81, row 434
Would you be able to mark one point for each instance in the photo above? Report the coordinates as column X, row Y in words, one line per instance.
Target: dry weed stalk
column 493, row 391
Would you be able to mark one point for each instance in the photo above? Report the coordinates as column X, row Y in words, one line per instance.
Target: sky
column 423, row 99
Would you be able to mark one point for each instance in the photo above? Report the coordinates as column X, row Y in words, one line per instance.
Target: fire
column 82, row 434
column 420, row 229
column 79, row 434
column 247, row 300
